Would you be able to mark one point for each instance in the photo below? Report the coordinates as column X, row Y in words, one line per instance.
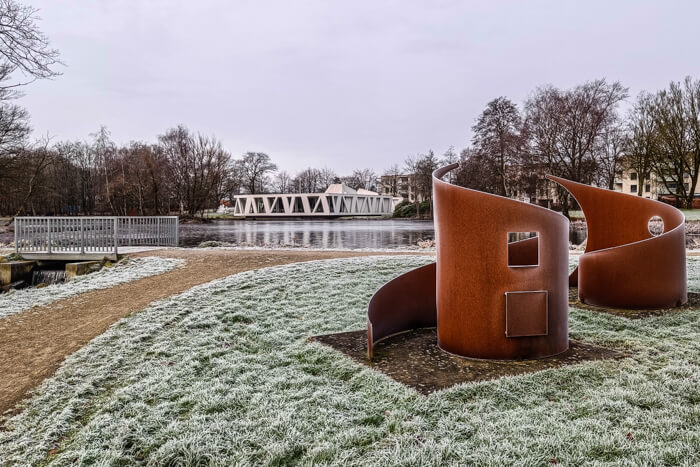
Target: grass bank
column 223, row 374
column 16, row 301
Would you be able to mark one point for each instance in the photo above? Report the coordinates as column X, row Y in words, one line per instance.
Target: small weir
column 24, row 274
column 48, row 276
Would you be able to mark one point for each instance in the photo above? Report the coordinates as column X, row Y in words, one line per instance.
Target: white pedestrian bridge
column 337, row 201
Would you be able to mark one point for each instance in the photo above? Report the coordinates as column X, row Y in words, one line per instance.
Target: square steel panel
column 526, row 313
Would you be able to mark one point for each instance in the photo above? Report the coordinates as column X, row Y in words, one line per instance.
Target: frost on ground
column 573, row 262
column 693, row 263
column 223, row 375
column 17, row 301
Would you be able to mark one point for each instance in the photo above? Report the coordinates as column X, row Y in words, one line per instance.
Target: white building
column 339, row 200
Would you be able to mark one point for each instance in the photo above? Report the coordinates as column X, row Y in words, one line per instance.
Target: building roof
column 340, row 189
column 362, row 191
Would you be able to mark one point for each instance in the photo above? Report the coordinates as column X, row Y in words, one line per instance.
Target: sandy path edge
column 35, row 342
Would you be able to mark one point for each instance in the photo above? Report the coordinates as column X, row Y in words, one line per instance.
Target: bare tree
column 140, row 183
column 153, row 158
column 475, row 172
column 424, row 168
column 81, row 157
column 282, row 181
column 198, row 166
column 392, row 174
column 255, row 169
column 232, row 183
column 176, row 146
column 640, row 145
column 565, row 128
column 41, row 158
column 23, row 48
column 22, row 45
column 612, row 146
column 448, row 158
column 14, row 130
column 421, row 167
column 676, row 115
column 326, row 178
column 498, row 138
column 307, row 181
column 104, row 149
column 363, row 178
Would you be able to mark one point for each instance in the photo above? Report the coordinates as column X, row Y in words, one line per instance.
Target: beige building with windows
column 628, row 182
column 401, row 186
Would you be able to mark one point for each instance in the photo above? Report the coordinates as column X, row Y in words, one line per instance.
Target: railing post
column 158, row 231
column 17, row 221
column 116, row 237
column 129, row 230
column 177, row 231
column 82, row 237
column 48, row 228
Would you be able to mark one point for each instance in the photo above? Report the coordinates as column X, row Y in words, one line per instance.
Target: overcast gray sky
column 339, row 84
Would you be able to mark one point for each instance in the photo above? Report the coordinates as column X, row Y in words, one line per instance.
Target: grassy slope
column 128, row 270
column 222, row 374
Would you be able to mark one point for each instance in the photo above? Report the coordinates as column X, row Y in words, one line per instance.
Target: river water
column 351, row 234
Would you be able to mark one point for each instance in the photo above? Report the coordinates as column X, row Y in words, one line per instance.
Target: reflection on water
column 350, row 234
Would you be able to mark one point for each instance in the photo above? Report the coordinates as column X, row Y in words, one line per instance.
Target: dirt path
column 34, row 343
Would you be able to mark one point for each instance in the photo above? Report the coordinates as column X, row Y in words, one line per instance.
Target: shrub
column 407, row 209
column 209, row 244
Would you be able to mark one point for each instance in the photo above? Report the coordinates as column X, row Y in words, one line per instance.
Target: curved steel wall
column 625, row 266
column 483, row 307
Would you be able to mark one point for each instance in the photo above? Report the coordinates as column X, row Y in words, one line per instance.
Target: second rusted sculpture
column 624, row 265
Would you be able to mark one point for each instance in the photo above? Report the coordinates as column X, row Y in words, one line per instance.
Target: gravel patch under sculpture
column 222, row 374
column 17, row 301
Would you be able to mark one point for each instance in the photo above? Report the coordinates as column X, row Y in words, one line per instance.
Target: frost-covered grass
column 693, row 264
column 223, row 375
column 573, row 261
column 17, row 301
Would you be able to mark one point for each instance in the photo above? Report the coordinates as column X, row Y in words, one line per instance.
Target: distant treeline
column 182, row 172
column 577, row 134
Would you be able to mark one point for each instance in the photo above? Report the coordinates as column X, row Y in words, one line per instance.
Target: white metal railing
column 86, row 235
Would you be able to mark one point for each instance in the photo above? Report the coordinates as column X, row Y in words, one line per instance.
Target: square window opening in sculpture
column 527, row 313
column 523, row 249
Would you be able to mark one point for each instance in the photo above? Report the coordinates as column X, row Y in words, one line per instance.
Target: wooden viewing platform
column 92, row 238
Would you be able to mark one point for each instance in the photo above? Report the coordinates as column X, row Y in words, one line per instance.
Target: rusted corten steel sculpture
column 624, row 265
column 489, row 299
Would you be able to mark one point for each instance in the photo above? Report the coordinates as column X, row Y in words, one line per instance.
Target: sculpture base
column 414, row 359
column 693, row 303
